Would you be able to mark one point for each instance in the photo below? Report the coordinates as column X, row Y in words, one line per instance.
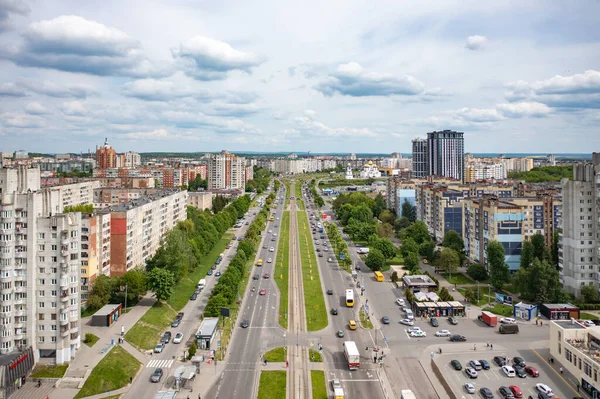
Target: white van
column 409, row 314
column 201, row 284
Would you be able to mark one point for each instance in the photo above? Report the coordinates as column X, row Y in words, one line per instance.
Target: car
column 318, row 249
column 325, row 249
column 194, row 297
column 273, row 239
column 330, row 259
column 385, row 320
column 317, row 242
column 275, row 225
column 209, row 273
column 505, row 392
column 218, row 274
column 247, row 223
column 516, row 391
column 400, row 301
column 322, row 236
column 321, row 254
column 265, row 246
column 470, row 388
column 452, row 321
column 471, row 372
column 272, row 249
column 213, row 267
column 418, row 334
column 500, row 360
column 521, row 373
column 443, row 333
column 266, row 275
column 434, row 322
column 507, row 320
column 263, row 292
column 269, row 260
column 159, row 347
column 245, row 323
column 456, row 364
column 240, row 238
column 180, row 315
column 532, row 371
column 256, row 277
column 340, row 333
column 486, row 393
column 458, row 338
column 484, row 364
column 330, row 292
column 166, row 337
column 475, row 364
column 270, row 231
column 415, row 328
column 156, row 375
column 509, row 371
column 518, row 361
column 545, row 389
column 407, row 322
column 178, row 338
column 334, row 311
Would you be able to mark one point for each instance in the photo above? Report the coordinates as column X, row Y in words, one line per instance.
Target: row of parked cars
column 166, row 338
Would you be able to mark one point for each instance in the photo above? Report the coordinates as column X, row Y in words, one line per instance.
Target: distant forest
column 544, row 174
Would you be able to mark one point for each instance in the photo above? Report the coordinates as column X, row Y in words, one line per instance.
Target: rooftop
column 146, row 199
column 559, row 306
column 419, row 279
column 106, row 309
column 569, row 325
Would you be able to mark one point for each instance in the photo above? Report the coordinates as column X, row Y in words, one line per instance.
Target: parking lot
column 494, row 378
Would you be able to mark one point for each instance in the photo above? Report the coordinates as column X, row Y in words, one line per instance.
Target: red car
column 266, row 275
column 532, row 371
column 263, row 292
column 516, row 391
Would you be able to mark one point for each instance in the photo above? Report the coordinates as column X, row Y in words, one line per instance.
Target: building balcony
column 64, row 253
column 64, row 332
column 20, row 312
column 20, row 289
column 18, row 324
column 19, row 242
column 18, row 336
column 64, row 297
column 64, row 322
column 20, row 301
column 4, row 255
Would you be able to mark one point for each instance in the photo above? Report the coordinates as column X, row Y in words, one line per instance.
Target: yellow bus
column 379, row 276
column 350, row 298
column 259, row 263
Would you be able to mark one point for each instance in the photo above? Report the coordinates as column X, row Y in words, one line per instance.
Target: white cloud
column 315, row 128
column 158, row 134
column 478, row 115
column 8, row 8
column 73, row 108
column 11, row 90
column 35, row 108
column 21, row 121
column 155, row 90
column 204, row 58
column 520, row 109
column 476, row 43
column 310, row 113
column 65, row 90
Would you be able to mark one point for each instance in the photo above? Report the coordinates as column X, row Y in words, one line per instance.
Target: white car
column 407, row 322
column 509, row 371
column 415, row 328
column 471, row 372
column 270, row 231
column 470, row 388
column 544, row 389
column 507, row 320
column 272, row 249
column 178, row 338
column 443, row 333
column 400, row 301
column 588, row 323
column 418, row 334
column 269, row 260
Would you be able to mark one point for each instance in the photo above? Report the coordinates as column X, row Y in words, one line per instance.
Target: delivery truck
column 488, row 318
column 352, row 355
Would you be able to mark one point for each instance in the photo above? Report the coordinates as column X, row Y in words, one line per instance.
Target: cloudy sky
column 320, row 76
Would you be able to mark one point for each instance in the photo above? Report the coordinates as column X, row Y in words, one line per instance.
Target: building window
column 41, row 316
column 568, row 355
column 42, row 293
column 41, row 247
column 52, row 316
column 41, row 304
column 41, row 327
column 41, row 236
column 54, row 247
column 42, row 281
column 41, row 340
column 53, row 339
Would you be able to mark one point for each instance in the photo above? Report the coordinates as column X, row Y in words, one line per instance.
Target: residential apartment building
column 109, row 196
column 200, row 199
column 420, row 159
column 137, row 227
column 67, row 166
column 575, row 349
column 106, row 156
column 128, row 160
column 517, row 164
column 579, row 247
column 478, row 170
column 446, row 154
column 165, row 177
column 77, row 193
column 39, row 269
column 225, row 171
column 248, row 173
column 440, row 208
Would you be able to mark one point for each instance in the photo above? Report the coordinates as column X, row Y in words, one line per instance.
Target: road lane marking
column 163, row 363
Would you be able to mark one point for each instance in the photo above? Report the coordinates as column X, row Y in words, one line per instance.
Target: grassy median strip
column 146, row 332
column 364, row 319
column 272, row 384
column 111, row 373
column 275, row 355
column 314, row 302
column 319, row 388
column 49, row 371
column 282, row 268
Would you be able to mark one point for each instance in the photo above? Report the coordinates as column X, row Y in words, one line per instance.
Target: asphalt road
column 240, row 377
column 167, row 360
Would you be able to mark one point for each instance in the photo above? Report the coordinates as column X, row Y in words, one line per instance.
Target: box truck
column 352, row 355
column 488, row 318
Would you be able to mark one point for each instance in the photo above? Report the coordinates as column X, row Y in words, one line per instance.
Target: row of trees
column 543, row 174
column 260, row 180
column 226, row 290
column 198, row 184
column 338, row 245
column 318, row 200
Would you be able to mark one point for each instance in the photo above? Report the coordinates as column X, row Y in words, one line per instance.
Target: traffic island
column 272, row 384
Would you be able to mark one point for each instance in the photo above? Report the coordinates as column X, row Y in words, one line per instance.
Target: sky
column 321, row 76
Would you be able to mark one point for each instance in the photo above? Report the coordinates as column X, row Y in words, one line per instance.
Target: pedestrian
column 440, row 350
column 367, row 348
column 287, row 364
column 491, row 347
column 188, row 397
column 130, row 380
column 487, row 344
column 541, row 323
column 265, row 362
column 560, row 369
column 578, row 387
column 536, row 322
column 474, row 347
column 375, row 359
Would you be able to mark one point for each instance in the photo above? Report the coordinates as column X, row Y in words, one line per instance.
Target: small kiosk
column 525, row 311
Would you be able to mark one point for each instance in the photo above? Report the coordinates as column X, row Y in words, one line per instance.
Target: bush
column 410, row 297
column 589, row 306
column 89, row 337
column 478, row 272
column 192, row 350
column 395, row 277
column 435, row 280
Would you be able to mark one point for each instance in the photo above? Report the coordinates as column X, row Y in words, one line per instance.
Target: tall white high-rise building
column 225, row 171
column 579, row 245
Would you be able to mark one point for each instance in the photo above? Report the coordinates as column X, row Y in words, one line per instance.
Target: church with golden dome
column 370, row 171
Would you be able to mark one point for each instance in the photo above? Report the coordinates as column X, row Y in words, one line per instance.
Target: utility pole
column 125, row 297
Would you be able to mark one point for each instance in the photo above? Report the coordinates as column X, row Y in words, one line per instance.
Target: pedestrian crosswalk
column 162, row 363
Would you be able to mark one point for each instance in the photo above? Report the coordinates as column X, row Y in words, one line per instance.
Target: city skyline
column 176, row 76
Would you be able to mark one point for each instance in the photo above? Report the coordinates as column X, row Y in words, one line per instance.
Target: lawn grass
column 484, row 299
column 457, row 278
column 282, row 268
column 314, row 356
column 319, row 387
column 364, row 320
column 275, row 355
column 112, row 372
column 49, row 371
column 272, row 384
column 301, row 205
column 314, row 302
column 500, row 309
column 90, row 339
column 395, row 261
column 588, row 316
column 146, row 332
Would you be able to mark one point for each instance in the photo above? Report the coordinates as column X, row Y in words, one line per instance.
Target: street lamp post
column 125, row 297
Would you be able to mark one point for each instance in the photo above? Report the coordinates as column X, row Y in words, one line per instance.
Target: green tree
column 161, row 282
column 409, row 246
column 411, row 262
column 454, row 241
column 219, row 202
column 379, row 205
column 417, row 231
column 101, row 292
column 136, row 282
column 526, row 254
column 449, row 260
column 192, row 350
column 384, row 230
column 386, row 247
column 445, row 295
column 427, row 250
column 387, row 216
column 471, row 294
column 477, row 271
column 401, row 223
column 409, row 211
column 365, row 231
column 375, row 260
column 589, row 294
column 499, row 274
column 538, row 243
column 362, row 213
column 395, row 276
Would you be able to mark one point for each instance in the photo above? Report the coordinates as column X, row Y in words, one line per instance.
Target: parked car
column 263, row 292
column 516, row 391
column 452, row 321
column 321, row 254
column 180, row 315
column 209, row 273
column 532, row 371
column 176, row 323
column 458, row 338
column 385, row 320
column 518, row 361
column 194, row 297
column 166, row 337
column 400, row 301
column 407, row 322
column 470, row 372
column 521, row 373
column 500, row 360
column 475, row 364
column 545, row 389
column 456, row 364
column 418, row 334
column 156, row 375
column 486, row 393
column 159, row 347
column 218, row 274
column 507, row 320
column 470, row 388
column 505, row 392
column 484, row 364
column 330, row 292
column 245, row 323
column 509, row 371
column 443, row 333
column 178, row 338
column 434, row 322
